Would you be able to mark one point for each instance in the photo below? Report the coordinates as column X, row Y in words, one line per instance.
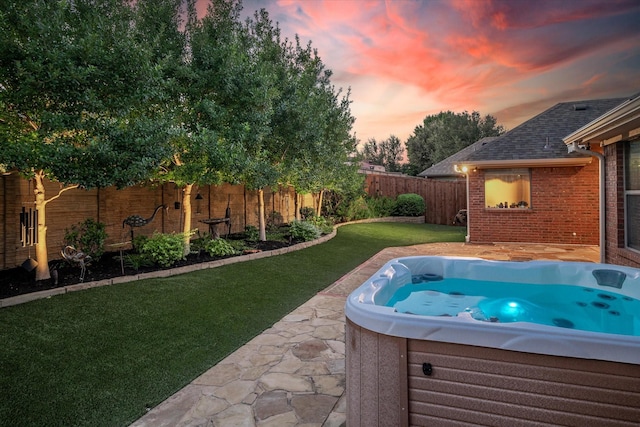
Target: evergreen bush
column 381, row 206
column 358, row 209
column 409, row 204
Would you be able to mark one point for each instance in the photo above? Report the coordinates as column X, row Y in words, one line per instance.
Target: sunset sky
column 406, row 59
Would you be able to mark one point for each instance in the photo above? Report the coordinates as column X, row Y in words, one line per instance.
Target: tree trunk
column 296, row 214
column 42, row 269
column 261, row 224
column 319, row 210
column 186, row 228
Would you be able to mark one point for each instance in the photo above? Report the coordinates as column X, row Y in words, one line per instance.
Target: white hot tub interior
column 534, row 306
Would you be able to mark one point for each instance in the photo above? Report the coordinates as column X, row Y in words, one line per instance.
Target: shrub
column 88, row 237
column 358, row 209
column 164, row 249
column 409, row 204
column 251, row 233
column 138, row 242
column 323, row 224
column 219, row 247
column 381, row 206
column 307, row 213
column 199, row 244
column 274, row 221
column 237, row 245
column 304, row 230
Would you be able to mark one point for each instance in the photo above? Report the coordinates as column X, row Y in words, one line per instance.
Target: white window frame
column 629, row 193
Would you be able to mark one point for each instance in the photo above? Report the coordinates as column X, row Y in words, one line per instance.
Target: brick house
column 525, row 186
column 616, row 134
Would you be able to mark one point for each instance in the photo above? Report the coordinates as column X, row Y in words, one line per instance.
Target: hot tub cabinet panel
column 388, row 385
column 472, row 385
column 376, row 378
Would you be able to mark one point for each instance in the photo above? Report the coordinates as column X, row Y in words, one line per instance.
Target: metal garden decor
column 29, row 234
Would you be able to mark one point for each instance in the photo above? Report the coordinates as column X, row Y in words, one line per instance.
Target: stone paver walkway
column 293, row 374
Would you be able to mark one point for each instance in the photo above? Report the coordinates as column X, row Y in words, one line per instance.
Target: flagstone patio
column 293, row 374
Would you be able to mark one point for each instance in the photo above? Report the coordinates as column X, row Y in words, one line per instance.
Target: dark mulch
column 18, row 281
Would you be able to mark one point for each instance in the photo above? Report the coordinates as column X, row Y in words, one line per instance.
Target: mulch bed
column 18, row 281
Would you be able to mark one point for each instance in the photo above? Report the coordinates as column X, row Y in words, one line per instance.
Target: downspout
column 575, row 147
column 467, row 238
column 465, row 170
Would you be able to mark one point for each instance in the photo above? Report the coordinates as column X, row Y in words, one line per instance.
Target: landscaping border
column 20, row 299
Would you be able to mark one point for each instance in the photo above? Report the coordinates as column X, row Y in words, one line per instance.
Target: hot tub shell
column 405, row 369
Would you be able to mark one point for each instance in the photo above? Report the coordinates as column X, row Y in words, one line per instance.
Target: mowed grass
column 103, row 356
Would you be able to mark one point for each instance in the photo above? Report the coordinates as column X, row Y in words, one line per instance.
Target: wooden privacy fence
column 111, row 206
column 443, row 198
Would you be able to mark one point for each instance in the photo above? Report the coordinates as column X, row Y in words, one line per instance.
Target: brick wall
column 564, row 209
column 616, row 253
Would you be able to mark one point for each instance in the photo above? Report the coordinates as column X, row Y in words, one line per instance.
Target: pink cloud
column 465, row 54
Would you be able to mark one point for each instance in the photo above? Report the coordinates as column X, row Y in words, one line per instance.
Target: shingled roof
column 446, row 168
column 541, row 137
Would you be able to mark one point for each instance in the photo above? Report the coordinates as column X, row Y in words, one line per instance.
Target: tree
column 324, row 163
column 388, row 153
column 311, row 125
column 81, row 98
column 222, row 103
column 445, row 134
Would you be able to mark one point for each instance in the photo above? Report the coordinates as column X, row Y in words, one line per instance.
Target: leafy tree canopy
column 446, row 133
column 387, row 153
column 81, row 92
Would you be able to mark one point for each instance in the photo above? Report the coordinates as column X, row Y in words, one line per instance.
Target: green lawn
column 101, row 356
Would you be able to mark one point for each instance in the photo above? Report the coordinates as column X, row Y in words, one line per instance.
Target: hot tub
column 507, row 358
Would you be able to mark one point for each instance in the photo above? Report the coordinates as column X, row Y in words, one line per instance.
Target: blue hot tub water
column 575, row 307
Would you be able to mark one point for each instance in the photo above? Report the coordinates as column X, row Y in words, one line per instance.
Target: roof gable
column 446, row 167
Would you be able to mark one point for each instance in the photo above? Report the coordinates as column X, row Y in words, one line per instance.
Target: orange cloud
column 465, row 54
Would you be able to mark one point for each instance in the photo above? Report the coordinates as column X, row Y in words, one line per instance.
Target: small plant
column 136, row 261
column 409, row 204
column 278, row 236
column 164, row 249
column 219, row 247
column 237, row 245
column 323, row 224
column 88, row 237
column 251, row 233
column 138, row 242
column 274, row 221
column 199, row 244
column 307, row 213
column 304, row 230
